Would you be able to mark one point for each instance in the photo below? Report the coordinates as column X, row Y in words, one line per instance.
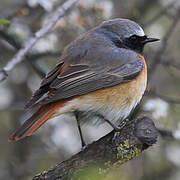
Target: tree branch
column 28, row 45
column 154, row 93
column 171, row 62
column 160, row 14
column 31, row 56
column 110, row 151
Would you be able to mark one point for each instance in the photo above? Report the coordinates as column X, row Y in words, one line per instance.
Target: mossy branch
column 110, row 151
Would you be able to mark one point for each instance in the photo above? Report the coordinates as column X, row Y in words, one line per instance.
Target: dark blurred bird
column 101, row 76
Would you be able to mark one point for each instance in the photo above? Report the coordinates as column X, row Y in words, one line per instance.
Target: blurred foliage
column 4, row 21
column 59, row 139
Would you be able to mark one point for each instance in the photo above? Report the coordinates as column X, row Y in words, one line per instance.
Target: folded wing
column 81, row 78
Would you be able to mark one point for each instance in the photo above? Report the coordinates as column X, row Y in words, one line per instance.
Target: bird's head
column 126, row 33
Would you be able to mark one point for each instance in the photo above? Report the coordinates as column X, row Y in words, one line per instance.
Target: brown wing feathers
column 36, row 120
column 44, row 88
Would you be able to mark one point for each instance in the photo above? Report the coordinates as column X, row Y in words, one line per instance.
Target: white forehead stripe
column 140, row 32
column 132, row 29
column 135, row 31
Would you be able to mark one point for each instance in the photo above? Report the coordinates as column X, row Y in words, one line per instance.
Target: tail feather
column 36, row 120
column 36, row 96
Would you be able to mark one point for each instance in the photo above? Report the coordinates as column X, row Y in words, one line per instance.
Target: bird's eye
column 133, row 38
column 143, row 38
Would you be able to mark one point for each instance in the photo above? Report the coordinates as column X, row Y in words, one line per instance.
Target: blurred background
column 58, row 139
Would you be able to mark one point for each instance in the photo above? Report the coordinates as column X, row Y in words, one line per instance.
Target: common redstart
column 101, row 74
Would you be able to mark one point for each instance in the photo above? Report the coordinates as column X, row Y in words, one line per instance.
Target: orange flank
column 123, row 94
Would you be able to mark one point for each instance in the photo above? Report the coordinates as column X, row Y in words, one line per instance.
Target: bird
column 101, row 76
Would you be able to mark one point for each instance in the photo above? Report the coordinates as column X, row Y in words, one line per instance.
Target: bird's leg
column 116, row 128
column 120, row 126
column 79, row 129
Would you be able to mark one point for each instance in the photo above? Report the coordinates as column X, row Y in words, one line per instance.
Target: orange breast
column 123, row 94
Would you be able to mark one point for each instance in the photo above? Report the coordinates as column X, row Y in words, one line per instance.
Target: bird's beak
column 148, row 40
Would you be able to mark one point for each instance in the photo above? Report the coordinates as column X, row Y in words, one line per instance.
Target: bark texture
column 110, row 151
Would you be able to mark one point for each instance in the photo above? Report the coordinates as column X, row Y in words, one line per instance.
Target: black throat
column 135, row 43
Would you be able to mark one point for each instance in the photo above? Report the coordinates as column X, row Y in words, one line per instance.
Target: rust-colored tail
column 36, row 120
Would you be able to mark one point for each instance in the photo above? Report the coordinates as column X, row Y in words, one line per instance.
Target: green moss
column 126, row 152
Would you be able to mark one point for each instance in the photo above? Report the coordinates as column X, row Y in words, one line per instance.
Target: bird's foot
column 83, row 144
column 120, row 126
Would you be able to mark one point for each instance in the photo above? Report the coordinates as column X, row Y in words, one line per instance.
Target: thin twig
column 10, row 39
column 60, row 12
column 171, row 62
column 158, row 56
column 160, row 14
column 167, row 134
column 31, row 56
column 153, row 93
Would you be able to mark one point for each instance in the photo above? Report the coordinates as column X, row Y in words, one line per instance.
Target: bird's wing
column 74, row 79
column 44, row 88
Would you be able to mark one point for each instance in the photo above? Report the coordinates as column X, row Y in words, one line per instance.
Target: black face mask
column 137, row 43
